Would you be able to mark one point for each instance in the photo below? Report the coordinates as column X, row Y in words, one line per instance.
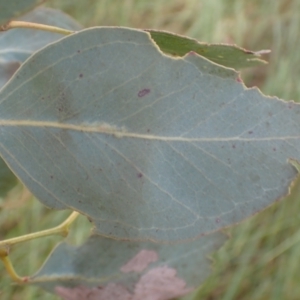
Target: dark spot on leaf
column 233, row 146
column 254, row 177
column 81, row 75
column 143, row 92
column 78, row 51
column 139, row 175
column 274, row 149
column 218, row 220
column 63, row 102
column 250, row 132
column 51, row 176
column 148, row 130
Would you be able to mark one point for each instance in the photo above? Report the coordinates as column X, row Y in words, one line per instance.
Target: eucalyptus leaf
column 138, row 269
column 15, row 47
column 13, row 8
column 18, row 44
column 230, row 56
column 7, row 69
column 148, row 146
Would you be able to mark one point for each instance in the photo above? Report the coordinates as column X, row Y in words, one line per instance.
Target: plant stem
column 30, row 25
column 62, row 229
column 11, row 271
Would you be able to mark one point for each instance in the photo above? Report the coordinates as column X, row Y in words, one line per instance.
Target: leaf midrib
column 123, row 133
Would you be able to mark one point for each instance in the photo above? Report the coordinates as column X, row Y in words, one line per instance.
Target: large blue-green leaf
column 11, row 9
column 147, row 146
column 142, row 269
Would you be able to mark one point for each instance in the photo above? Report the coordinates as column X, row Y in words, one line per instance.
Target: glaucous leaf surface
column 148, row 146
column 226, row 55
column 138, row 270
column 18, row 44
column 13, row 8
column 7, row 69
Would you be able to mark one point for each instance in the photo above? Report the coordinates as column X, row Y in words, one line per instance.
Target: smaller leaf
column 13, row 8
column 113, row 269
column 19, row 44
column 230, row 56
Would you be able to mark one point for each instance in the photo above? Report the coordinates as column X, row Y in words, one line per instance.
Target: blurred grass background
column 260, row 260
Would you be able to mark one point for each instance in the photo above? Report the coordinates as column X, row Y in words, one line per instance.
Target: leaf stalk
column 30, row 25
column 62, row 229
column 11, row 271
